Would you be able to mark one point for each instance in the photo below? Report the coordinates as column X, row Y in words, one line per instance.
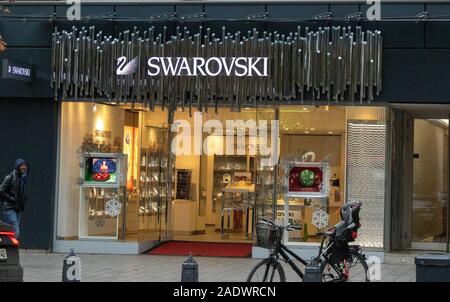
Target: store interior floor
column 212, row 235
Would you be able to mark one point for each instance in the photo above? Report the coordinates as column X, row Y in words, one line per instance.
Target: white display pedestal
column 184, row 217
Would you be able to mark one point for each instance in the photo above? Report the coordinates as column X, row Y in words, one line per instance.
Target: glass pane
column 156, row 178
column 96, row 220
column 306, row 138
column 265, row 175
column 85, row 128
column 430, row 183
column 167, row 181
column 131, row 148
column 354, row 158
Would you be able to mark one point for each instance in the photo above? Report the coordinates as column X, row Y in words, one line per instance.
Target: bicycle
column 338, row 261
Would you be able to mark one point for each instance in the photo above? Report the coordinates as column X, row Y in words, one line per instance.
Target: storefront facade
column 151, row 215
column 120, row 189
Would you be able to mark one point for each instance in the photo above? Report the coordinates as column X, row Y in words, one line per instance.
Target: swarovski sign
column 209, row 69
column 17, row 71
column 198, row 66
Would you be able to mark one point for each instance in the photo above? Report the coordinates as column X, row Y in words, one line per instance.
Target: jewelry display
column 102, row 195
column 155, row 173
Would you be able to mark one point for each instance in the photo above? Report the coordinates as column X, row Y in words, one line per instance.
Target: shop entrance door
column 156, row 185
column 430, row 184
column 423, row 178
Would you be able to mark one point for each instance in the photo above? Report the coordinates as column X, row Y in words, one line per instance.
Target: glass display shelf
column 101, row 212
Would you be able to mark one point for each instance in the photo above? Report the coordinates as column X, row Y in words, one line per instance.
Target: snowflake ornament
column 113, row 207
column 320, row 218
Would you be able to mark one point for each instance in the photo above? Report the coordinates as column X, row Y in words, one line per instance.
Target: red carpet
column 182, row 248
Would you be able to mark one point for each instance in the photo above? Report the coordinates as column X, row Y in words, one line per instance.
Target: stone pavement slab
column 47, row 267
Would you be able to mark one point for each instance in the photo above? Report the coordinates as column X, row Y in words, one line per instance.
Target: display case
column 102, row 195
column 183, row 184
column 264, row 183
column 149, row 181
column 228, row 168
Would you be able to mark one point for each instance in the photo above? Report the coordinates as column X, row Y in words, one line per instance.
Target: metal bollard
column 71, row 268
column 189, row 272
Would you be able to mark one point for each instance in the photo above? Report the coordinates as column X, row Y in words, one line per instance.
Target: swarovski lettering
column 19, row 71
column 213, row 66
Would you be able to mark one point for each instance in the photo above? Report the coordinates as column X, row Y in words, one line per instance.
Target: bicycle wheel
column 353, row 270
column 267, row 270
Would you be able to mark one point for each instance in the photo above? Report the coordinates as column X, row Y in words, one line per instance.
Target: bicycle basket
column 268, row 236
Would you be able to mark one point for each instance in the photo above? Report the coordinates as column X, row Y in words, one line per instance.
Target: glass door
column 167, row 182
column 266, row 176
column 156, row 185
column 430, row 167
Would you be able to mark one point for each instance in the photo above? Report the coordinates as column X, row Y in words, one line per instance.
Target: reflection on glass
column 156, row 184
column 264, row 179
column 101, row 212
column 430, row 182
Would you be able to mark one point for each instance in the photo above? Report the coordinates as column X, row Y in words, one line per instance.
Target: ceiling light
column 330, row 132
column 305, row 109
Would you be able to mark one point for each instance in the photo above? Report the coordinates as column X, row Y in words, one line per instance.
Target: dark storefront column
column 29, row 131
column 402, row 126
column 28, row 120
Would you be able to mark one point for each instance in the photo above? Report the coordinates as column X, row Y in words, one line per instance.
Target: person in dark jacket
column 12, row 195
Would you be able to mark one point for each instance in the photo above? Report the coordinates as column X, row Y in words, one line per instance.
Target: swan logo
column 124, row 68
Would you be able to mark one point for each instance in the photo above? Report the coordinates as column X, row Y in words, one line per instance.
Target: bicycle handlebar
column 289, row 227
column 295, row 227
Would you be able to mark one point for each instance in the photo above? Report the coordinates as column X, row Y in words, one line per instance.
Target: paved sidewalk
column 151, row 268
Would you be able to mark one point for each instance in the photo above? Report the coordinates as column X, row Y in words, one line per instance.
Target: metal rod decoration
column 328, row 64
